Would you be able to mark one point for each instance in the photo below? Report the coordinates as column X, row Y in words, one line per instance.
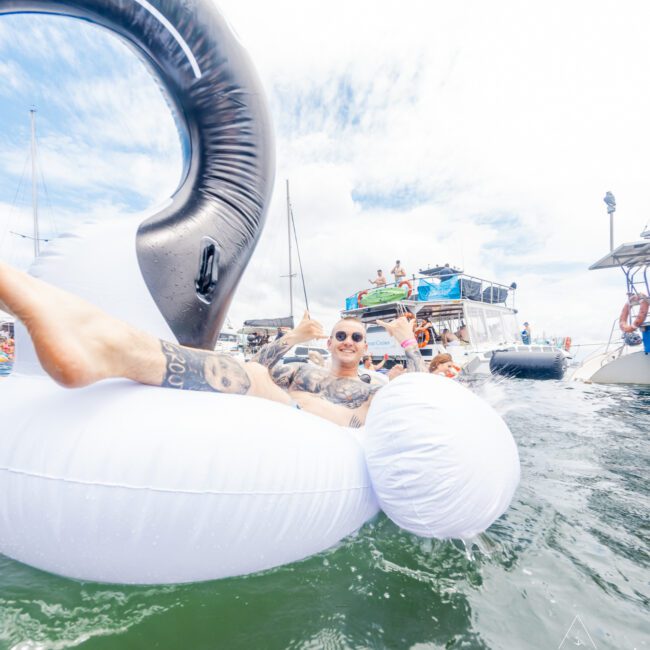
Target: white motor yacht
column 468, row 317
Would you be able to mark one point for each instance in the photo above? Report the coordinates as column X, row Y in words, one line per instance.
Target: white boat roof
column 636, row 254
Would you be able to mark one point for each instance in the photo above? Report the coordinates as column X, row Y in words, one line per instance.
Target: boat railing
column 451, row 286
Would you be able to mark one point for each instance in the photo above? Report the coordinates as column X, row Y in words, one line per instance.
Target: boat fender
column 529, row 365
column 442, row 462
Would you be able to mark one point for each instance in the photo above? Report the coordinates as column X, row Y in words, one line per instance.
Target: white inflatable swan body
column 125, row 483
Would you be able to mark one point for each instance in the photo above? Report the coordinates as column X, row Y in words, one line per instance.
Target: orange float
column 423, row 337
column 638, row 321
column 409, row 285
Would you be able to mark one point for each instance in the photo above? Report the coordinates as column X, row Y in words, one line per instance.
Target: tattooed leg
column 79, row 344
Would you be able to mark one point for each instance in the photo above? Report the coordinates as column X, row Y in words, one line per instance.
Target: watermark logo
column 577, row 634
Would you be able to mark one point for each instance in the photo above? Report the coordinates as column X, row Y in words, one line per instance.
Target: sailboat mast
column 289, row 239
column 37, row 250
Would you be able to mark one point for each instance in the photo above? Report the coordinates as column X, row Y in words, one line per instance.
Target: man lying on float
column 78, row 344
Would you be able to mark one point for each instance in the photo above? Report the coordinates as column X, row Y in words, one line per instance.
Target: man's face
column 343, row 347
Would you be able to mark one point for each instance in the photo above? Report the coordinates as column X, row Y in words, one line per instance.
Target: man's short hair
column 350, row 319
column 379, row 271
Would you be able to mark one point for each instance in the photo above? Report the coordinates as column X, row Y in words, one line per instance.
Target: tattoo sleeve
column 201, row 370
column 283, row 375
column 414, row 360
column 272, row 352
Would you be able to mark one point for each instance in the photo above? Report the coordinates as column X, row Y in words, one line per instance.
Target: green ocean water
column 567, row 566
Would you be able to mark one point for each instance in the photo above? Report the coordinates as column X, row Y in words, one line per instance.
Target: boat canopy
column 287, row 321
column 626, row 256
column 440, row 271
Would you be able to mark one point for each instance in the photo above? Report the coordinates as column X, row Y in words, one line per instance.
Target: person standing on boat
column 380, row 280
column 526, row 336
column 398, row 272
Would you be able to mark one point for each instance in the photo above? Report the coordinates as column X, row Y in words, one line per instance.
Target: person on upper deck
column 380, row 280
column 398, row 272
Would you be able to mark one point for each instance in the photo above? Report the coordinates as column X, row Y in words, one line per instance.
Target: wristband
column 408, row 343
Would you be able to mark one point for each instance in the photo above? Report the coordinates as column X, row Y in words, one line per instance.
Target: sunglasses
column 357, row 337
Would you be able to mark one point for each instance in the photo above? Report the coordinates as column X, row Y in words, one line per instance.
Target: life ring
column 639, row 319
column 409, row 285
column 424, row 333
column 124, row 483
column 360, row 295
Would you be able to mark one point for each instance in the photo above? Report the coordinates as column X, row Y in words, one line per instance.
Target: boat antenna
column 37, row 248
column 611, row 208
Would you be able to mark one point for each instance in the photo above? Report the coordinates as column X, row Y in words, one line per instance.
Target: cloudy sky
column 483, row 134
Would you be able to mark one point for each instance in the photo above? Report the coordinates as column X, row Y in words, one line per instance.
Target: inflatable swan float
column 125, row 483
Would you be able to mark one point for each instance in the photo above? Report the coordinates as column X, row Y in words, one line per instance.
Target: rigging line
column 39, row 166
column 12, row 207
column 302, row 275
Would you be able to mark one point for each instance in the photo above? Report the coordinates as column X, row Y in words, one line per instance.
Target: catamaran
column 471, row 318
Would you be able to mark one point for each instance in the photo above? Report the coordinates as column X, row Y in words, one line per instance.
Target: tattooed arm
column 401, row 330
column 272, row 352
column 414, row 360
column 306, row 330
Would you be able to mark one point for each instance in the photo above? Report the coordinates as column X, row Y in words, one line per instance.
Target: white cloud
column 504, row 122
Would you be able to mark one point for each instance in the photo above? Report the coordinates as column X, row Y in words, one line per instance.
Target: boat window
column 232, row 338
column 495, row 331
column 477, row 326
column 510, row 327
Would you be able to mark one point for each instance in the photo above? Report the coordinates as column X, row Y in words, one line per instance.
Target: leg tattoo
column 200, row 370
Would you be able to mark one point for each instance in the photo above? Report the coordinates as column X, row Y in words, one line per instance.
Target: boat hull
column 616, row 367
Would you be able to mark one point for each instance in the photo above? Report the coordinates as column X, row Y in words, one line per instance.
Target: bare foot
column 76, row 343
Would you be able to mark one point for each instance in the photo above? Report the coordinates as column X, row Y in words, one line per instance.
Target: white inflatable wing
column 442, row 461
